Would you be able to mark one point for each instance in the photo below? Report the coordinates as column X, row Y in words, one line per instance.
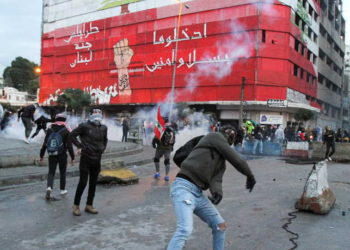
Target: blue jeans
column 258, row 143
column 188, row 199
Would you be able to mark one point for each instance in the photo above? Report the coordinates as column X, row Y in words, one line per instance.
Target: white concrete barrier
column 317, row 197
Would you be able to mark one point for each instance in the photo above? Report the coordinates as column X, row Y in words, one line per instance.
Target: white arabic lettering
column 192, row 60
column 185, row 36
column 100, row 96
column 80, row 31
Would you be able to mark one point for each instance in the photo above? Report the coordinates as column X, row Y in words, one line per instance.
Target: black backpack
column 54, row 143
column 168, row 137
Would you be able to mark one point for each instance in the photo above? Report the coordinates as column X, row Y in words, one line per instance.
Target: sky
column 20, row 30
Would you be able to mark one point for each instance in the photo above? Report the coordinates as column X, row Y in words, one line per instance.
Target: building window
column 296, row 45
column 295, row 70
column 263, row 36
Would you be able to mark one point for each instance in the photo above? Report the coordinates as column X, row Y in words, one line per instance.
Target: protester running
column 27, row 116
column 41, row 124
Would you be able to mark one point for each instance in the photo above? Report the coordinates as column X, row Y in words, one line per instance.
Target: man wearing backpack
column 203, row 169
column 57, row 142
column 163, row 146
column 92, row 143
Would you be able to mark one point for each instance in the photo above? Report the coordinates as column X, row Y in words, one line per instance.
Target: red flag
column 160, row 125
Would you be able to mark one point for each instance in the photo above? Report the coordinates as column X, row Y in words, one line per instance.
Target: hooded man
column 204, row 169
column 92, row 143
column 329, row 140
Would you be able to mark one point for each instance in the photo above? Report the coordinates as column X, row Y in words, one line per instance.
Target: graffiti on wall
column 83, row 49
column 122, row 57
column 102, row 96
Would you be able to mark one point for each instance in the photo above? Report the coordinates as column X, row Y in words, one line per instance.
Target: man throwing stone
column 204, row 169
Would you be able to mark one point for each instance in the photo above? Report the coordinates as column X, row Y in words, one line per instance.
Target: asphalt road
column 141, row 217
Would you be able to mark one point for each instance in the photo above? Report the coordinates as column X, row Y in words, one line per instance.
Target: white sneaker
column 63, row 192
column 26, row 140
column 329, row 158
column 48, row 193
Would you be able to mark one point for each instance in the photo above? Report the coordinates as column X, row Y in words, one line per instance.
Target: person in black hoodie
column 57, row 142
column 329, row 140
column 92, row 143
column 125, row 125
column 41, row 124
column 27, row 116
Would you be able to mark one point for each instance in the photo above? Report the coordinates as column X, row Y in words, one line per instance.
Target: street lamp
column 173, row 79
column 37, row 70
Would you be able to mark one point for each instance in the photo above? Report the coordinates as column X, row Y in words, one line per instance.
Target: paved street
column 140, row 216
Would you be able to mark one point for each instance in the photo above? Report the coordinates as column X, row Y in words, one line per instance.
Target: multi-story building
column 14, row 97
column 331, row 63
column 346, row 90
column 196, row 51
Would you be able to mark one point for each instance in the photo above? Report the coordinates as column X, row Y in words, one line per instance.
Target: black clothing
column 329, row 136
column 40, row 124
column 65, row 139
column 125, row 130
column 38, row 128
column 258, row 133
column 330, row 146
column 329, row 139
column 87, row 167
column 28, row 125
column 61, row 160
column 27, row 112
column 93, row 139
column 93, row 142
column 42, row 121
column 5, row 120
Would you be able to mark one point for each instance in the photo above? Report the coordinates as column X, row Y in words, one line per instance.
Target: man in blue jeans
column 204, row 169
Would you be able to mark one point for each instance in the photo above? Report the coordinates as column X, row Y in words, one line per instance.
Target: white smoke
column 1, row 112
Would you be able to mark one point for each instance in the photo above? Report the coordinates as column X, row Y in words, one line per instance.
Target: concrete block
column 317, row 196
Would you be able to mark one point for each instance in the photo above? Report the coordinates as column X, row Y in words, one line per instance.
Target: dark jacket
column 125, row 126
column 206, row 167
column 92, row 139
column 67, row 143
column 27, row 112
column 42, row 121
column 329, row 136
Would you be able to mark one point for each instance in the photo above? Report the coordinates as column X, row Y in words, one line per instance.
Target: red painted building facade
column 204, row 51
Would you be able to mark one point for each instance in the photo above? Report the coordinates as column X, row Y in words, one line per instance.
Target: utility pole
column 241, row 102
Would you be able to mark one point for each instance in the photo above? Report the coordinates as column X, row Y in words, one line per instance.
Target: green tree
column 303, row 115
column 21, row 75
column 75, row 100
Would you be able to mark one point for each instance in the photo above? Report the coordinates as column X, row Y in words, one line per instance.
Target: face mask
column 95, row 118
